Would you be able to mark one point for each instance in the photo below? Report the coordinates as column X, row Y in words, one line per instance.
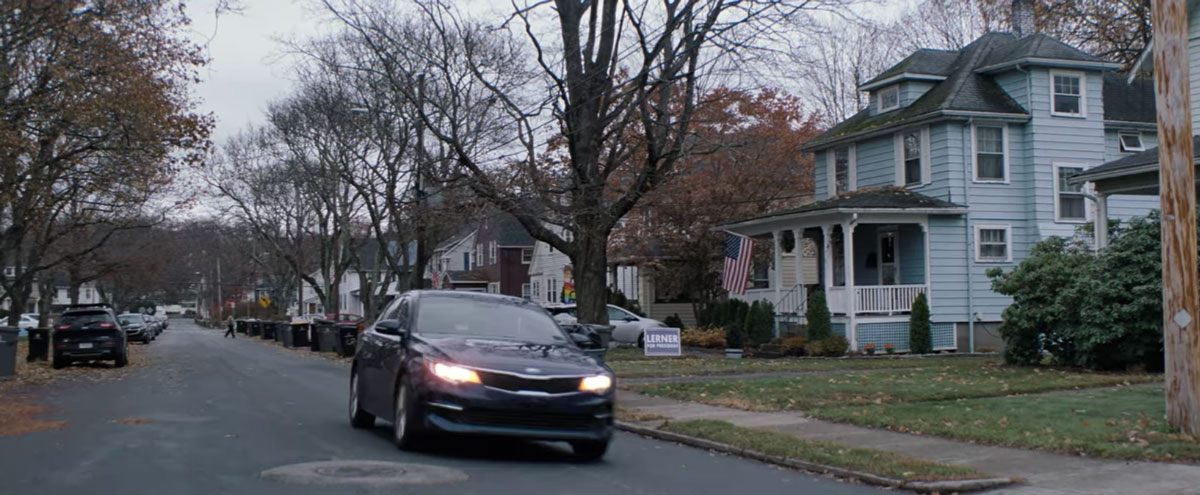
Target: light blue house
column 958, row 165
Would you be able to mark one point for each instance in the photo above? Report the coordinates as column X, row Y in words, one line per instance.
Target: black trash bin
column 327, row 339
column 299, row 334
column 39, row 345
column 8, row 350
column 285, row 336
column 268, row 330
column 347, row 340
column 255, row 328
column 314, row 336
column 281, row 329
column 239, row 326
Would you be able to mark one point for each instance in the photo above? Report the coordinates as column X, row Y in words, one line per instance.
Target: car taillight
column 63, row 327
column 105, row 325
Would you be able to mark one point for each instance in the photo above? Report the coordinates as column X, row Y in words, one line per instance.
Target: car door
column 369, row 366
column 392, row 351
column 623, row 329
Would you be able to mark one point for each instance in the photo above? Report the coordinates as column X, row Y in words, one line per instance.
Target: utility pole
column 220, row 300
column 1177, row 186
column 418, row 266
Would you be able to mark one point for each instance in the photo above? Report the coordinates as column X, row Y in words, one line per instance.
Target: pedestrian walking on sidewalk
column 229, row 325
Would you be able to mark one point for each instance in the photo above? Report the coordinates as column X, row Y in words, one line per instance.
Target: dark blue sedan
column 479, row 364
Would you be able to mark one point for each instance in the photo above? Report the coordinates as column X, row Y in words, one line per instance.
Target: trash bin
column 268, row 330
column 281, row 329
column 347, row 340
column 8, row 350
column 39, row 345
column 240, row 326
column 317, row 328
column 592, row 339
column 327, row 338
column 255, row 328
column 605, row 332
column 285, row 336
column 299, row 335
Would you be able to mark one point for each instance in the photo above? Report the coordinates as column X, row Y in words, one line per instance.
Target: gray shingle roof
column 1131, row 162
column 963, row 90
column 883, row 198
column 1038, row 46
column 1129, row 101
column 509, row 231
column 923, row 61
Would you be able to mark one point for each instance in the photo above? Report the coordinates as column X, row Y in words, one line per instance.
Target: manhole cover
column 372, row 473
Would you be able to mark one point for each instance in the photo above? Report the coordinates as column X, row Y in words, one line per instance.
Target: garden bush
column 820, row 321
column 673, row 321
column 1082, row 309
column 760, row 323
column 832, row 346
column 734, row 338
column 794, row 345
column 708, row 337
column 920, row 339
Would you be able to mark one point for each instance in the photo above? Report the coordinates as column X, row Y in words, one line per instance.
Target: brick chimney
column 1021, row 18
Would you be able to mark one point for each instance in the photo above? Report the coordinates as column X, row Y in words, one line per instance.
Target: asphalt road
column 207, row 415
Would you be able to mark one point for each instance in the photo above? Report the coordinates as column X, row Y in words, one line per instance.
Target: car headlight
column 597, row 384
column 454, row 374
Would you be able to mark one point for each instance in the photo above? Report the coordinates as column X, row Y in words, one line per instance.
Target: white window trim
column 831, row 169
column 975, row 155
column 525, row 260
column 1121, row 143
column 1008, row 240
column 895, row 232
column 492, row 253
column 1087, row 212
column 1083, row 92
column 926, row 167
column 526, row 290
column 879, row 102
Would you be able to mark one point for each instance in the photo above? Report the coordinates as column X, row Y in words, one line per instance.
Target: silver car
column 627, row 327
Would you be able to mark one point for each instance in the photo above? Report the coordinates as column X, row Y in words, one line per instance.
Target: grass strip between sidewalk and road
column 875, row 462
column 1117, row 423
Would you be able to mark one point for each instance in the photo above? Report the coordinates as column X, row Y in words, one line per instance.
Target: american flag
column 737, row 263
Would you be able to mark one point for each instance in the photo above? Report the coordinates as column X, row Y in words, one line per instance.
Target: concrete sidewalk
column 1044, row 473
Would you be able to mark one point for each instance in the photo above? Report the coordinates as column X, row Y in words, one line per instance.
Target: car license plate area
column 85, row 345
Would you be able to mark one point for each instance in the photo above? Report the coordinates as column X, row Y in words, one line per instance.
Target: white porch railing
column 836, row 299
column 792, row 301
column 886, row 299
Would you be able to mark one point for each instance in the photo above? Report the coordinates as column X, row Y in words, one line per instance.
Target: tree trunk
column 590, row 267
column 1181, row 307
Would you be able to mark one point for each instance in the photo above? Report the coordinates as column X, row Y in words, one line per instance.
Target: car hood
column 512, row 356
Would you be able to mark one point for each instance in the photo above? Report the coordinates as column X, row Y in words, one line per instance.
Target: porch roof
column 880, row 200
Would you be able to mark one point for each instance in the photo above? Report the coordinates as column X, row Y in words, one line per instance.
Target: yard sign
column 661, row 342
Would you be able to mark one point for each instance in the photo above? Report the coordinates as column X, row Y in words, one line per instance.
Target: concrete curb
column 950, row 486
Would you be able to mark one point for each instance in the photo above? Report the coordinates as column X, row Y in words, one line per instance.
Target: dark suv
column 89, row 333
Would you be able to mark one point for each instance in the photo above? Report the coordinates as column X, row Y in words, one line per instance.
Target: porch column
column 851, row 296
column 1101, row 221
column 776, row 264
column 798, row 253
column 928, row 271
column 827, row 257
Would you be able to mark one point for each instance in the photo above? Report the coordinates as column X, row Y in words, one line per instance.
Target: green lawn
column 1120, row 422
column 948, row 380
column 629, row 364
column 783, row 445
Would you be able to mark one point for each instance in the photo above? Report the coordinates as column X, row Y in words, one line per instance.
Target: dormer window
column 1131, row 142
column 889, row 98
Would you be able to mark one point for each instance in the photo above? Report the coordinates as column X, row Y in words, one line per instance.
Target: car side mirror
column 390, row 327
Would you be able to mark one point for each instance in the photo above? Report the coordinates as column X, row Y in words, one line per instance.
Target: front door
column 888, row 266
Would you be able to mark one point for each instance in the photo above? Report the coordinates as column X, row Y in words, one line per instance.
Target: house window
column 993, row 243
column 990, row 144
column 492, row 252
column 1070, row 205
column 526, row 291
column 1066, row 94
column 478, row 254
column 841, row 170
column 526, row 256
column 551, row 292
column 466, row 261
column 910, row 146
column 889, row 98
column 493, row 287
column 537, row 288
column 1131, row 142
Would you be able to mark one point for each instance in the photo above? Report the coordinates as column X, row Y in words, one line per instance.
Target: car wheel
column 641, row 341
column 60, row 362
column 591, row 450
column 122, row 360
column 358, row 417
column 405, row 432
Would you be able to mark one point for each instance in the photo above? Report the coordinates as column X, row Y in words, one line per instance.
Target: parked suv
column 138, row 327
column 89, row 333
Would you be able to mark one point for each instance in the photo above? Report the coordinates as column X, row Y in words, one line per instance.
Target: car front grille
column 515, row 383
column 526, row 419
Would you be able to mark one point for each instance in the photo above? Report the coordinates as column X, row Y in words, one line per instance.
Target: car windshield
column 84, row 318
column 131, row 320
column 486, row 318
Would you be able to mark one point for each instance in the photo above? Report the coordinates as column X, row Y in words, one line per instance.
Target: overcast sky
column 249, row 66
